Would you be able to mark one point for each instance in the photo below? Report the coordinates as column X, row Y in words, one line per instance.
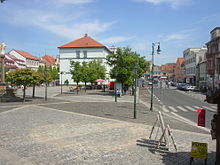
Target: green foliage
column 54, row 73
column 123, row 63
column 76, row 71
column 96, row 70
column 87, row 72
column 21, row 77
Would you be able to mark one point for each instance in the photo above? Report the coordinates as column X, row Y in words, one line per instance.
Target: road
column 183, row 104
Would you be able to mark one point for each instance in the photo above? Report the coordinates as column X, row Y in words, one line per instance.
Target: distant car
column 191, row 88
column 149, row 83
column 182, row 86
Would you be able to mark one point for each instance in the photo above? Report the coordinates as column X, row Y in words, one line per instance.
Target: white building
column 84, row 49
column 191, row 58
column 30, row 61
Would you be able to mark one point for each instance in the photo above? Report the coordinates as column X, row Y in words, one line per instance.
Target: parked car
column 182, row 86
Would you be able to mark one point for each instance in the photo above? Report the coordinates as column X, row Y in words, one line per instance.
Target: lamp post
column 135, row 88
column 116, row 74
column 3, row 46
column 46, row 74
column 61, row 83
column 152, row 71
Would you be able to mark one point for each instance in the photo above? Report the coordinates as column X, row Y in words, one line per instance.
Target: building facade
column 84, row 49
column 213, row 60
column 168, row 70
column 179, row 71
column 191, row 59
column 30, row 61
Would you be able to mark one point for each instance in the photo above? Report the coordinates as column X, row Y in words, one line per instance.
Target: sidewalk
column 92, row 129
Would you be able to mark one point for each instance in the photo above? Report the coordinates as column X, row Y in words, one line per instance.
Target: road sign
column 199, row 150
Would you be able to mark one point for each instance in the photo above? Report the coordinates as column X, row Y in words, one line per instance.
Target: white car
column 191, row 88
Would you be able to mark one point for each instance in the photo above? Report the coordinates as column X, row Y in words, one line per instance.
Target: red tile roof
column 49, row 59
column 85, row 41
column 180, row 60
column 26, row 55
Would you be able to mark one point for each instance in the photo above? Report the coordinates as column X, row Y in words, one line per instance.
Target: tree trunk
column 77, row 88
column 33, row 92
column 24, row 91
column 85, row 87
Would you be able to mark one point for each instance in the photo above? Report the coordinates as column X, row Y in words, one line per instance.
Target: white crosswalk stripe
column 191, row 108
column 185, row 108
column 197, row 107
column 210, row 109
column 215, row 107
column 182, row 108
column 165, row 109
column 172, row 108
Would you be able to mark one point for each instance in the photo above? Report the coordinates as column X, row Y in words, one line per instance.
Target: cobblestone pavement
column 79, row 130
column 44, row 136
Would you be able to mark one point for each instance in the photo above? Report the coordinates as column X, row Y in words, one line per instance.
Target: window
column 85, row 54
column 77, row 54
column 219, row 47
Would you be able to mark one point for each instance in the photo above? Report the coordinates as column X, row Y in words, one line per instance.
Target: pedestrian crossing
column 176, row 109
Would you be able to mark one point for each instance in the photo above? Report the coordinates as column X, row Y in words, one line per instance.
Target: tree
column 38, row 79
column 23, row 77
column 85, row 73
column 54, row 73
column 96, row 71
column 76, row 72
column 123, row 62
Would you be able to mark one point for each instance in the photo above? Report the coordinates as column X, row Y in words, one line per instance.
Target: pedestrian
column 118, row 92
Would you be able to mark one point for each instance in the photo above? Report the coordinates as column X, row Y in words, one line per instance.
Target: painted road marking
column 172, row 108
column 191, row 108
column 183, row 109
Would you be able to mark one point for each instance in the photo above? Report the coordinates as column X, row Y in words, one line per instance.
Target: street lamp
column 46, row 74
column 61, row 83
column 3, row 46
column 116, row 74
column 152, row 71
column 135, row 88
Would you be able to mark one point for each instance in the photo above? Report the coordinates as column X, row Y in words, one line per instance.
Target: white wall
column 68, row 54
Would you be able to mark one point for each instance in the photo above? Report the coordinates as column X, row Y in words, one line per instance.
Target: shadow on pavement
column 172, row 157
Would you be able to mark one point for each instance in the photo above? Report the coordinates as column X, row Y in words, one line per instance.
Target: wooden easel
column 166, row 132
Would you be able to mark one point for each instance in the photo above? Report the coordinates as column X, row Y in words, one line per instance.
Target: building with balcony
column 213, row 60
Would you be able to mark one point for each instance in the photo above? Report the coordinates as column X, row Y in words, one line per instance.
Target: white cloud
column 176, row 36
column 116, row 39
column 60, row 25
column 173, row 3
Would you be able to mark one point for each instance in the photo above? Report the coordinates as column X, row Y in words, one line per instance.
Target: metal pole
column 152, row 79
column 115, row 92
column 135, row 90
column 3, row 69
column 61, row 75
column 46, row 85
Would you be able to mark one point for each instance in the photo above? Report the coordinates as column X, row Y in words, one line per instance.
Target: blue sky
column 40, row 26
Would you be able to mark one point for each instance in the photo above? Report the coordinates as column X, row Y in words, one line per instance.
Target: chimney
column 86, row 35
